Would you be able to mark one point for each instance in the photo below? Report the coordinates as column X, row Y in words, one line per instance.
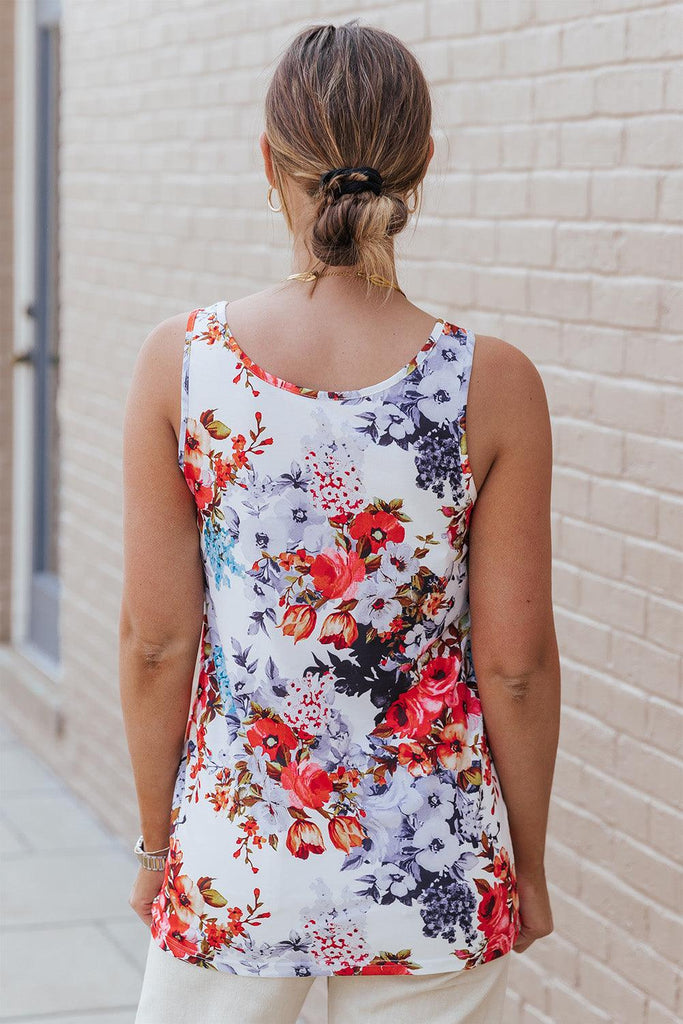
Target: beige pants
column 174, row 992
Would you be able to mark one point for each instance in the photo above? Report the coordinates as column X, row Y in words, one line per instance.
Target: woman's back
column 336, row 777
column 336, row 808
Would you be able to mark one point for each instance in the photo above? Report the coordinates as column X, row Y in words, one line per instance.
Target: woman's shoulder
column 507, row 404
column 158, row 366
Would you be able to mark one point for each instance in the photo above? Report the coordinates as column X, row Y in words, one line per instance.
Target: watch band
column 153, row 861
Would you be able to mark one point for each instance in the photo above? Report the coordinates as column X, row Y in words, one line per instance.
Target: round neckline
column 284, row 385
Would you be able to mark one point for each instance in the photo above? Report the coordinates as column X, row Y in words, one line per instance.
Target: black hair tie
column 373, row 180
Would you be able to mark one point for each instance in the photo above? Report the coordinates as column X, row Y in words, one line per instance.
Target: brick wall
column 6, row 285
column 552, row 219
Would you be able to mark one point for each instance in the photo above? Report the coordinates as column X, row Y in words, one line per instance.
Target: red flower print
column 439, row 676
column 495, row 921
column 377, row 527
column 412, row 713
column 304, row 837
column 345, row 831
column 309, row 784
column 216, row 934
column 181, row 944
column 387, row 967
column 187, row 901
column 453, row 750
column 298, row 621
column 414, row 757
column 463, row 703
column 338, row 628
column 203, row 493
column 336, row 573
column 236, row 922
column 501, row 865
column 274, row 738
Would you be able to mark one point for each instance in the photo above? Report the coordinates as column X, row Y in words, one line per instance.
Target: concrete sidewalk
column 72, row 951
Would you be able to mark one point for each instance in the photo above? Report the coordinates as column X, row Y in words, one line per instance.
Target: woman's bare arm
column 163, row 590
column 514, row 646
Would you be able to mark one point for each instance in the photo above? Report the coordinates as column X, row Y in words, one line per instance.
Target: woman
column 342, row 794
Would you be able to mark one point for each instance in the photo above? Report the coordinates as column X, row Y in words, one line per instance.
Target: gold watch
column 155, row 861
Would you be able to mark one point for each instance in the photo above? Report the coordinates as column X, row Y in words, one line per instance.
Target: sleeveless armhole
column 468, row 479
column 185, row 387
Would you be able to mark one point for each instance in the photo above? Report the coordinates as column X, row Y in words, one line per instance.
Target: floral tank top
column 337, row 809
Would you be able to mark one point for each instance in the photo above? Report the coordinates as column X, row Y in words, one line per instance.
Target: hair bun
column 342, row 180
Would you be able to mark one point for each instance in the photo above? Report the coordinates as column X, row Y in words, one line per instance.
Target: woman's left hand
column 145, row 890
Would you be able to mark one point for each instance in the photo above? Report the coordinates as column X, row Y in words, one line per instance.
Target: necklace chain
column 312, row 275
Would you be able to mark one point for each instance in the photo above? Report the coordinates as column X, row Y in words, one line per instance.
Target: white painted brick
column 571, row 491
column 501, row 289
column 622, row 606
column 474, row 58
column 530, row 1015
column 662, row 775
column 591, row 547
column 594, row 349
column 594, row 143
column 664, row 623
column 519, row 145
column 653, row 566
column 559, row 194
column 497, row 17
column 558, row 10
column 623, row 506
column 501, row 194
column 673, row 88
column 614, row 900
column 504, row 102
column 653, row 141
column 609, row 6
column 653, row 356
column 610, row 992
column 665, row 932
column 655, row 251
column 629, row 90
column 656, row 33
column 632, row 302
column 575, row 920
column 658, row 1014
column 563, row 96
column 581, row 246
column 531, row 50
column 562, row 862
column 593, row 42
column 634, row 405
column 588, row 447
column 559, row 295
column 444, row 18
column 566, row 1005
column 665, row 725
column 524, row 243
column 624, row 195
column 644, row 664
column 433, row 56
column 670, row 306
column 658, row 463
column 624, row 707
column 671, row 197
column 473, row 148
column 530, row 982
column 641, row 966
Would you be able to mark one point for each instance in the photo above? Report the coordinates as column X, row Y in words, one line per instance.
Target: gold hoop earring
column 414, row 207
column 275, row 209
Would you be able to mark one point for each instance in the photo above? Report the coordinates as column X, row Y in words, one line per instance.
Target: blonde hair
column 349, row 96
